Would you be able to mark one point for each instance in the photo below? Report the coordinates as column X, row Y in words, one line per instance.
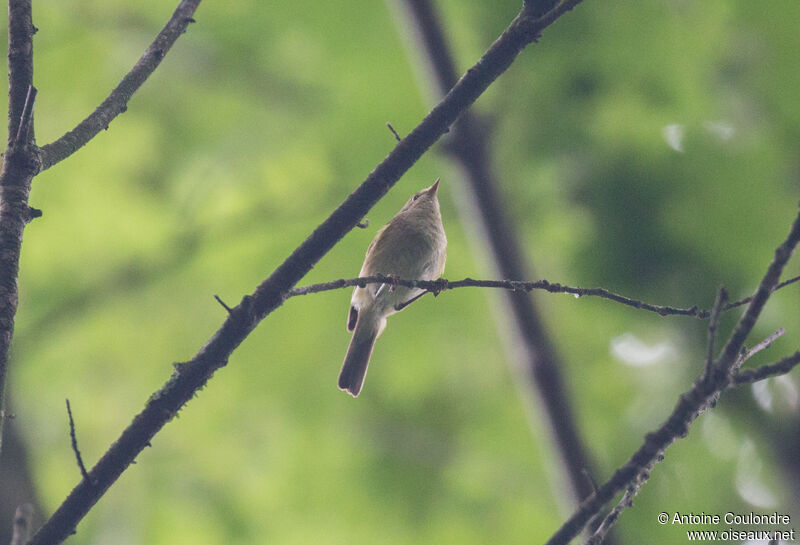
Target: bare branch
column 117, row 102
column 691, row 404
column 780, row 367
column 191, row 376
column 20, row 62
column 513, row 285
column 746, row 300
column 19, row 166
column 23, row 160
column 763, row 345
column 74, row 440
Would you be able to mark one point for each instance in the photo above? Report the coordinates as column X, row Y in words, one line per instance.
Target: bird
column 412, row 246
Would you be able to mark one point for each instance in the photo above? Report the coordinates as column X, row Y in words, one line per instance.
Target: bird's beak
column 432, row 190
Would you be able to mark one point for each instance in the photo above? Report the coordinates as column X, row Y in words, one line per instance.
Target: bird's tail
column 354, row 369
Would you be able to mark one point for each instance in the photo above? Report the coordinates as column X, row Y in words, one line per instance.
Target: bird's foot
column 441, row 285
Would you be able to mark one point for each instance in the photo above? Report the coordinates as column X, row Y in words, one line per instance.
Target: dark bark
column 20, row 164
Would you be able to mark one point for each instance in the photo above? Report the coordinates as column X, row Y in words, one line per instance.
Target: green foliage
column 258, row 123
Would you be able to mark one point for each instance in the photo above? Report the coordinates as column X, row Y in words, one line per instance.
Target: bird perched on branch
column 412, row 246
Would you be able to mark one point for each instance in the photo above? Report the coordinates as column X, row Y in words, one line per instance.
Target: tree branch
column 691, row 404
column 190, row 377
column 117, row 102
column 746, row 300
column 19, row 166
column 780, row 367
column 512, row 285
column 20, row 62
column 763, row 345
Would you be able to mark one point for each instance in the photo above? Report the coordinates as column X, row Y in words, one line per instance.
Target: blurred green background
column 648, row 147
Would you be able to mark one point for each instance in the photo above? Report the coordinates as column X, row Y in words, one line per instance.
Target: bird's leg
column 442, row 284
column 401, row 306
column 392, row 283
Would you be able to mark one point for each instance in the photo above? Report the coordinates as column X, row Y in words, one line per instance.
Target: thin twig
column 74, row 440
column 763, row 345
column 221, row 302
column 184, row 383
column 513, row 285
column 713, row 323
column 746, row 300
column 394, row 132
column 780, row 367
column 117, row 100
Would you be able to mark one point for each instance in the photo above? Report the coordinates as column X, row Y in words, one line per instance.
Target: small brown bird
column 412, row 246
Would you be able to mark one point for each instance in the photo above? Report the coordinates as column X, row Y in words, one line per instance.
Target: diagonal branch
column 632, row 489
column 190, row 377
column 691, row 404
column 727, row 360
column 763, row 345
column 117, row 102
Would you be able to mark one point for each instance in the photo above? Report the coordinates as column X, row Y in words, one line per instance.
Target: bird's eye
column 415, row 197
